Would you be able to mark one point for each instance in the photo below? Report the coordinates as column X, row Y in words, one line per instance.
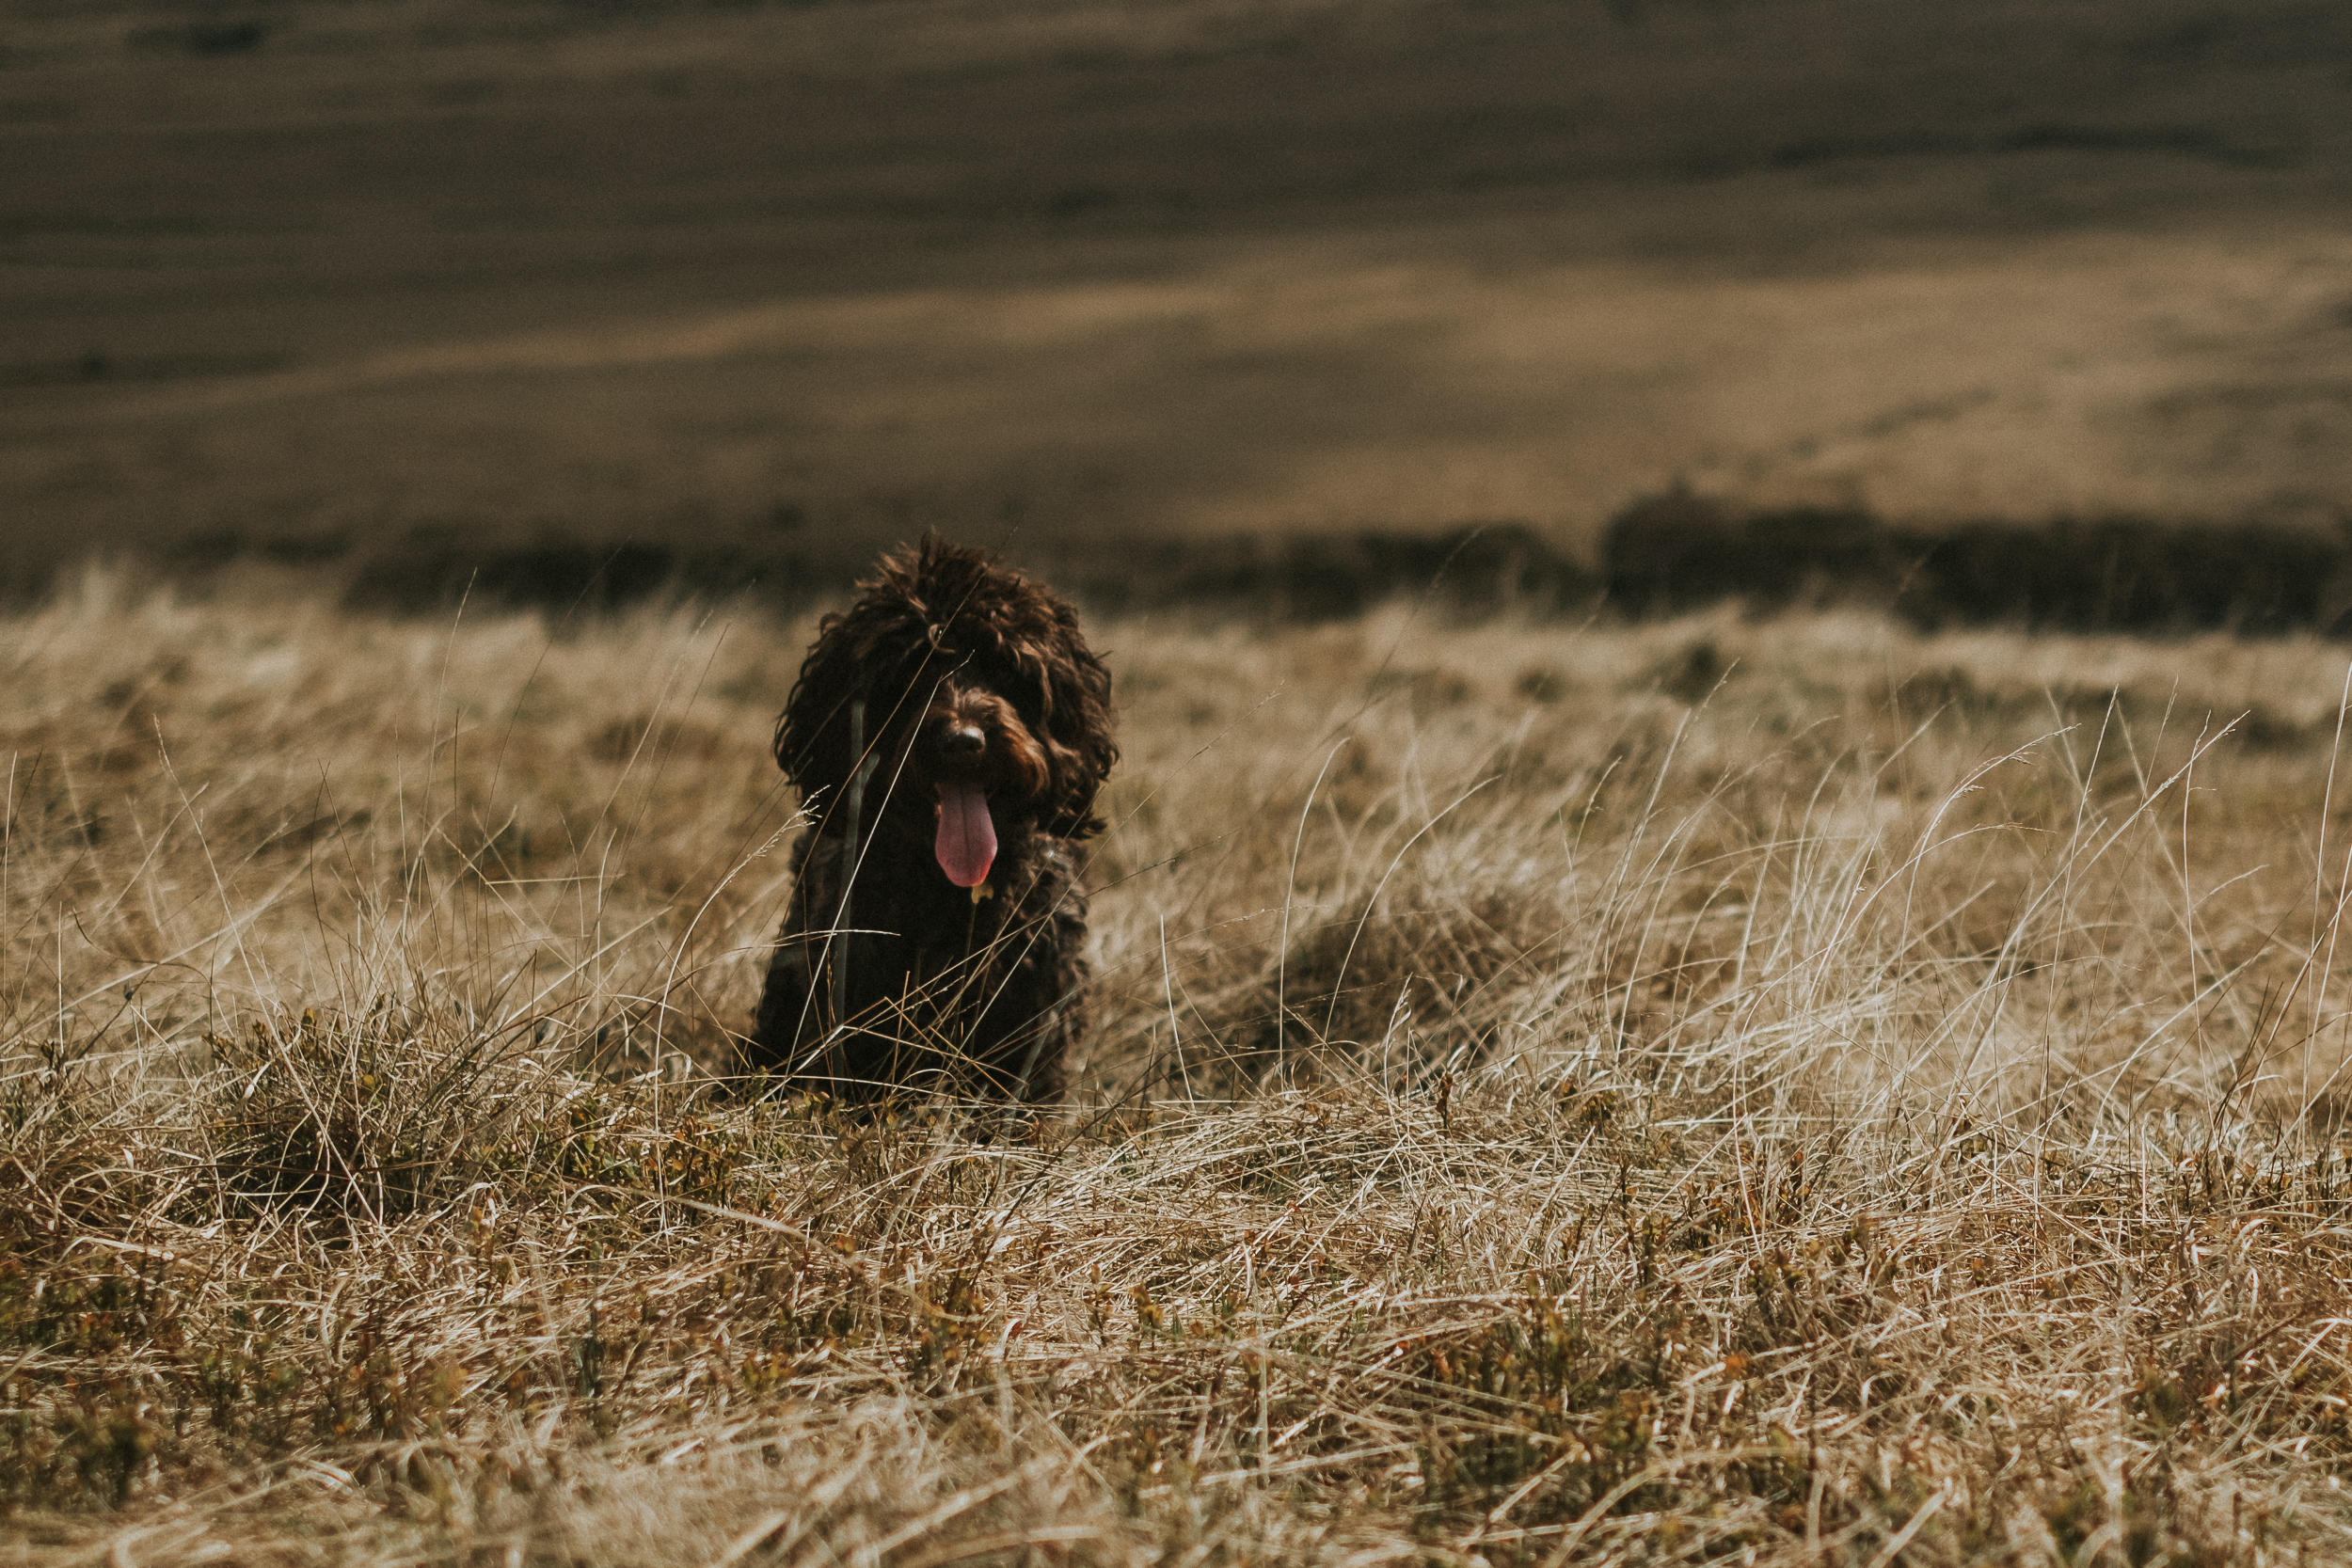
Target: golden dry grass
column 1775, row 1092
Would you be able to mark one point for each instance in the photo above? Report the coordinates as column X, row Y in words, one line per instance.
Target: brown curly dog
column 949, row 733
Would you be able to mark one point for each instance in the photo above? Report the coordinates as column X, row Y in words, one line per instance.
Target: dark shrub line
column 1664, row 555
column 1678, row 551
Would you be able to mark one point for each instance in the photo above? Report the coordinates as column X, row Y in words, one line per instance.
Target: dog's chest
column 895, row 891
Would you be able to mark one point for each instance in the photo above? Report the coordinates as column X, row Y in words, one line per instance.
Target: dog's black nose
column 964, row 741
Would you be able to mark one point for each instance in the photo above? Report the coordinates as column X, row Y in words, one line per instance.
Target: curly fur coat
column 949, row 732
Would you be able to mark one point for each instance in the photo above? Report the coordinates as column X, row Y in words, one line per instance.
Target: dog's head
column 976, row 697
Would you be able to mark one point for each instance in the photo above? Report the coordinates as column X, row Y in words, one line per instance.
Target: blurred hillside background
column 369, row 283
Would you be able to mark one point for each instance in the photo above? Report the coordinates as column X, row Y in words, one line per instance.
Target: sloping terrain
column 321, row 275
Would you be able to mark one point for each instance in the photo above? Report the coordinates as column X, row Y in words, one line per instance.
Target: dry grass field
column 1779, row 1091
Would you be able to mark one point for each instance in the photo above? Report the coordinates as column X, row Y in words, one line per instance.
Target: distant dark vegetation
column 1666, row 555
column 1676, row 552
column 1679, row 552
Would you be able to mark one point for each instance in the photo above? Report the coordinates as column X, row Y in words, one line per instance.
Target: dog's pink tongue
column 967, row 839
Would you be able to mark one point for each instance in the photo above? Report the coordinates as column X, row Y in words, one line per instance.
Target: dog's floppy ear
column 812, row 743
column 1078, row 723
column 874, row 651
